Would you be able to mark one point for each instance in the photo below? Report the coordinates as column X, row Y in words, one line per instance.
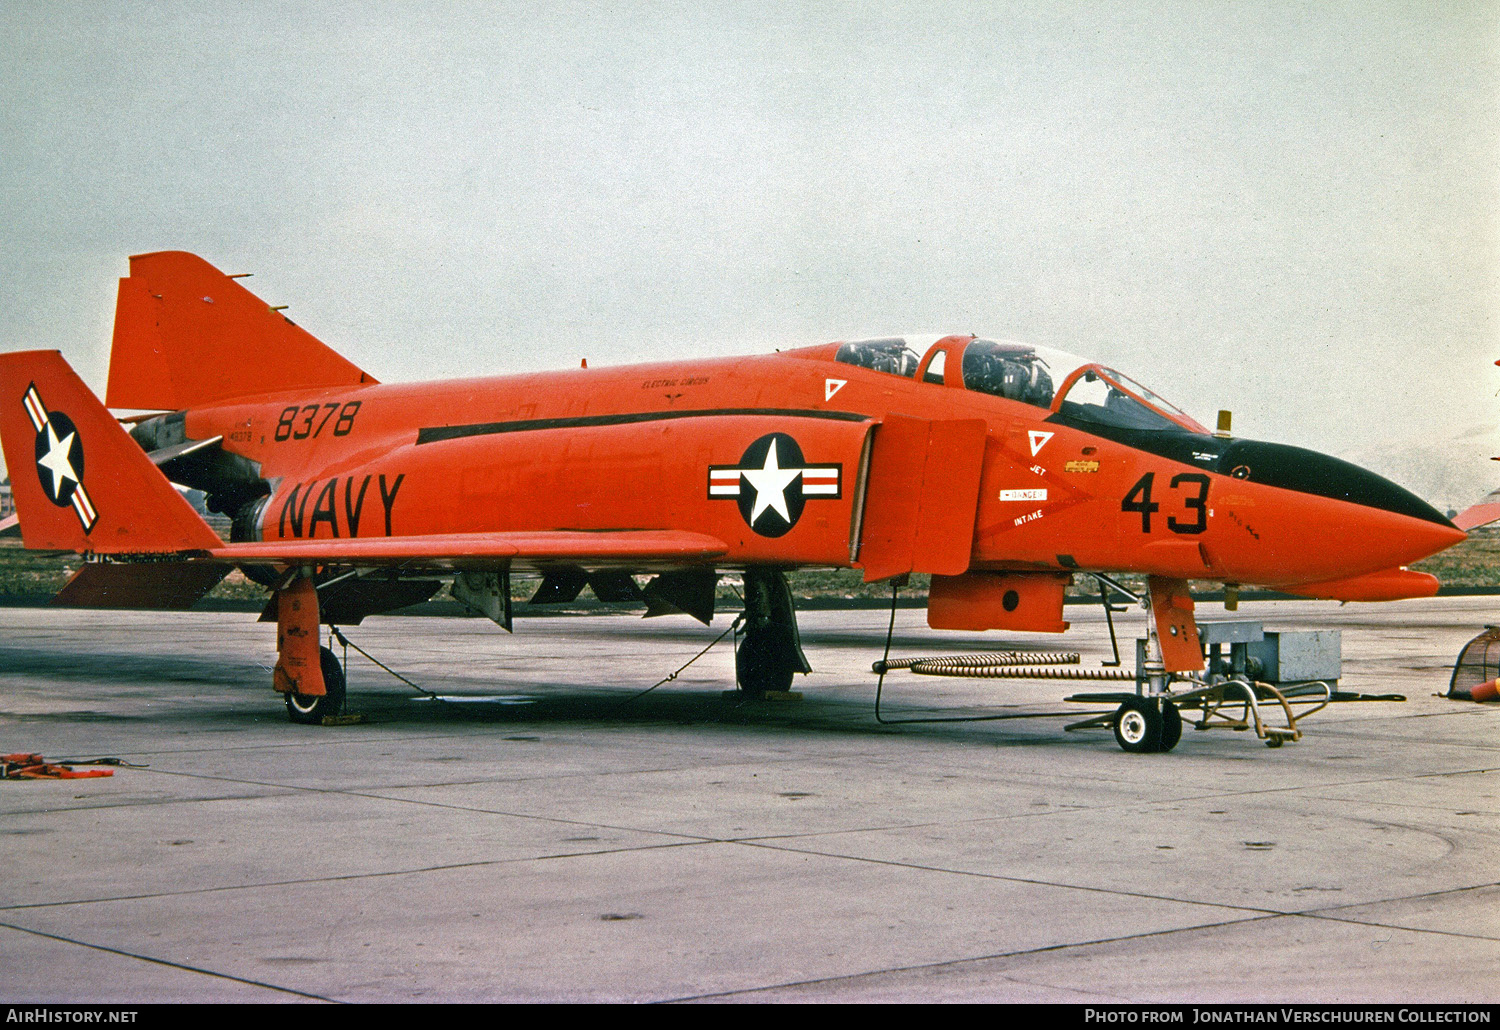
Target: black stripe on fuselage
column 435, row 434
column 1271, row 464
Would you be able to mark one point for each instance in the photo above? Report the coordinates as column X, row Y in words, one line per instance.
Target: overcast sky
column 1288, row 209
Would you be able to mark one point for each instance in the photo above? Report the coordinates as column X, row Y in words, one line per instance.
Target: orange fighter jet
column 1000, row 468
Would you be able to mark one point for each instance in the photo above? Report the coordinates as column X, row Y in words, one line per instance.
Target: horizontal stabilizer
column 161, row 586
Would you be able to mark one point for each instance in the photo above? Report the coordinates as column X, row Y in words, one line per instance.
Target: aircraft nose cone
column 1423, row 530
column 1308, row 472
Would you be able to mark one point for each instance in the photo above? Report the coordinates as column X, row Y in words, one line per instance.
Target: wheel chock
column 348, row 719
column 35, row 767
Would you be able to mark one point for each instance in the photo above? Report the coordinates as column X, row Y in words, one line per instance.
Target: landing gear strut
column 771, row 651
column 1149, row 721
column 308, row 675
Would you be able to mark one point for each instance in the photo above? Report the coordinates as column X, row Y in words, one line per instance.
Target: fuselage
column 771, row 455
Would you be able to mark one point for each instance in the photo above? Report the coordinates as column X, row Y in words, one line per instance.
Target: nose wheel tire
column 1171, row 725
column 305, row 708
column 1143, row 727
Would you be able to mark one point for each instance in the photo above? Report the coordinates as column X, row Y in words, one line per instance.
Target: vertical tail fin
column 80, row 482
column 187, row 335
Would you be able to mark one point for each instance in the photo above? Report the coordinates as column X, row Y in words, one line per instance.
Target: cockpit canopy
column 1062, row 383
column 884, row 355
column 1014, row 371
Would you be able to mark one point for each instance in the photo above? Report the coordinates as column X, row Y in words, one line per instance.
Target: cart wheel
column 1171, row 725
column 1138, row 726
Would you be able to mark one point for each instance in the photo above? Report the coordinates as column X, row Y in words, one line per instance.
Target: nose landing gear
column 1143, row 725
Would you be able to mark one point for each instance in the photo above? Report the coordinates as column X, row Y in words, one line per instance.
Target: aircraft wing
column 1481, row 514
column 638, row 549
column 179, row 584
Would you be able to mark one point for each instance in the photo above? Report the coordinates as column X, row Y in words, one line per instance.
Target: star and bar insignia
column 59, row 459
column 773, row 482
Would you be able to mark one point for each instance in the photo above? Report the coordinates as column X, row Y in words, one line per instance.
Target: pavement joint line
column 1294, row 788
column 141, row 803
column 1072, row 809
column 972, row 959
column 683, row 838
column 1447, row 891
column 1259, row 911
column 1396, row 926
column 1385, row 738
column 284, row 789
column 709, row 838
column 919, row 867
column 167, row 962
column 386, row 742
column 368, row 795
column 335, row 791
column 345, row 877
column 1419, row 808
column 266, row 745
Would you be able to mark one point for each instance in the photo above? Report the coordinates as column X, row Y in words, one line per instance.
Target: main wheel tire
column 764, row 660
column 1138, row 725
column 1171, row 725
column 305, row 708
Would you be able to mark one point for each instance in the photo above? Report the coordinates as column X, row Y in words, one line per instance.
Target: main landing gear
column 309, row 676
column 771, row 651
column 310, row 709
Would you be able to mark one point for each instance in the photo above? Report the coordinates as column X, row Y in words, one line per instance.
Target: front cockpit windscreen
column 1093, row 398
column 1104, row 396
column 1093, row 393
column 891, row 355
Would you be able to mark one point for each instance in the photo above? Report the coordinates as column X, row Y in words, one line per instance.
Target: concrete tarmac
column 543, row 833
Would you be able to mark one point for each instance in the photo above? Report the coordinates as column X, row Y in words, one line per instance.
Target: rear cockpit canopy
column 1014, row 371
column 890, row 354
column 1063, row 383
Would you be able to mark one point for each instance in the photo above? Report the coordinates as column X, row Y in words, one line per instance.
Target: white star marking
column 56, row 460
column 770, row 482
